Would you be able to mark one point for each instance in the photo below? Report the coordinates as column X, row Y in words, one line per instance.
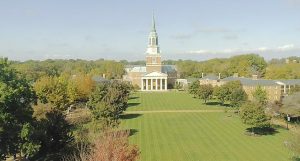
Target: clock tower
column 153, row 58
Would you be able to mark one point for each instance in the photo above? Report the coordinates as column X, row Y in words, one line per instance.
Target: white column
column 156, row 84
column 166, row 84
column 142, row 86
column 146, row 84
column 160, row 85
column 151, row 84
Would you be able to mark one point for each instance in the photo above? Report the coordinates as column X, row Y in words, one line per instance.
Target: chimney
column 103, row 75
column 236, row 75
column 202, row 75
column 219, row 75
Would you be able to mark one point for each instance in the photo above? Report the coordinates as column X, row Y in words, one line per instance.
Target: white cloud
column 234, row 51
column 57, row 56
column 262, row 49
column 286, row 47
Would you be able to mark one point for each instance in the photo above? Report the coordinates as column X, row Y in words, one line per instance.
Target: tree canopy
column 260, row 95
column 16, row 98
column 253, row 114
column 291, row 105
column 246, row 65
column 205, row 92
column 108, row 101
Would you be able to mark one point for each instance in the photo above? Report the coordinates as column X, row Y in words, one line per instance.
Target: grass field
column 166, row 101
column 191, row 136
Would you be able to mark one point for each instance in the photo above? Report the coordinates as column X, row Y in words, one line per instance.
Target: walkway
column 174, row 111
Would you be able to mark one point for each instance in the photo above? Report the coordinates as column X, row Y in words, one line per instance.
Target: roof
column 168, row 68
column 249, row 81
column 140, row 69
column 99, row 79
column 156, row 74
column 210, row 77
column 290, row 81
column 190, row 80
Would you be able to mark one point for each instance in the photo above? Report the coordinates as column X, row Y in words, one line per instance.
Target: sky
column 118, row 29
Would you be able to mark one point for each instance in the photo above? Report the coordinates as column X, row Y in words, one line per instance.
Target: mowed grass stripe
column 202, row 136
column 174, row 135
column 165, row 101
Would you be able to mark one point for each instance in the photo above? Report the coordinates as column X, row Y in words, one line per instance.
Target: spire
column 153, row 22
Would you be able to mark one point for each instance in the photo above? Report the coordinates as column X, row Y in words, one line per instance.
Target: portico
column 155, row 81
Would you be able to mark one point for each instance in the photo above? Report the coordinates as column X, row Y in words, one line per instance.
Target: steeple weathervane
column 153, row 23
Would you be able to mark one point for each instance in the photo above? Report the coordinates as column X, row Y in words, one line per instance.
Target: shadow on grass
column 133, row 132
column 133, row 104
column 133, row 97
column 129, row 116
column 217, row 103
column 262, row 131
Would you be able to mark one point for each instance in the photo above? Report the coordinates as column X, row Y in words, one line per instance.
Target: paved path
column 174, row 111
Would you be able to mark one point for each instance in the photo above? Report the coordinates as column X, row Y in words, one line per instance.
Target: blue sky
column 118, row 29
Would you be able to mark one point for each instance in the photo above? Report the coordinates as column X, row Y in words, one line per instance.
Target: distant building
column 211, row 79
column 154, row 76
column 276, row 89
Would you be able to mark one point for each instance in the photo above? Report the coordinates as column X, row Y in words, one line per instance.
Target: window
column 154, row 60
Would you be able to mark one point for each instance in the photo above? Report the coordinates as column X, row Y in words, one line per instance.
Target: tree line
column 246, row 65
column 33, row 70
column 231, row 92
column 33, row 115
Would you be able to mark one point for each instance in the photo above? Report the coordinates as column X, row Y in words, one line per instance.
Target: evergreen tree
column 253, row 114
column 260, row 95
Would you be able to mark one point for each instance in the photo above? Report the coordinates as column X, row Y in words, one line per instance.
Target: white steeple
column 153, row 47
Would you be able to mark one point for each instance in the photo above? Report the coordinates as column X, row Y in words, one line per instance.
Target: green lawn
column 166, row 101
column 196, row 136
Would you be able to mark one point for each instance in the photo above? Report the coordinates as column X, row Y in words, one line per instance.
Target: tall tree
column 108, row 102
column 238, row 97
column 55, row 135
column 16, row 98
column 194, row 87
column 221, row 93
column 79, row 88
column 205, row 92
column 53, row 90
column 260, row 95
column 253, row 114
column 231, row 91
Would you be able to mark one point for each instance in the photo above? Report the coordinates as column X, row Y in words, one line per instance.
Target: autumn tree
column 113, row 145
column 53, row 90
column 205, row 92
column 79, row 88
